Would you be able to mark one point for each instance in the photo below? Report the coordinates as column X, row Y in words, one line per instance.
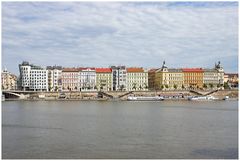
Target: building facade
column 9, row 80
column 33, row 77
column 210, row 78
column 193, row 78
column 169, row 78
column 70, row 79
column 137, row 79
column 54, row 78
column 231, row 79
column 119, row 76
column 151, row 79
column 104, row 79
column 87, row 79
column 220, row 71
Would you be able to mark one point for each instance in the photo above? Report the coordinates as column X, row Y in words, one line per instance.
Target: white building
column 220, row 70
column 119, row 76
column 33, row 77
column 137, row 79
column 54, row 78
column 87, row 79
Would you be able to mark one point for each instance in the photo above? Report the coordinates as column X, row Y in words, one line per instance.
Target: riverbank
column 121, row 95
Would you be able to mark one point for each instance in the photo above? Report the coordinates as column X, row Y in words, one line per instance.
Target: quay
column 115, row 95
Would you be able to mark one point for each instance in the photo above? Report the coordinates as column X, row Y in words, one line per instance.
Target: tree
column 134, row 86
column 121, row 87
column 204, row 85
column 162, row 86
column 166, row 86
column 183, row 87
column 226, row 86
column 175, row 86
column 211, row 85
column 140, row 87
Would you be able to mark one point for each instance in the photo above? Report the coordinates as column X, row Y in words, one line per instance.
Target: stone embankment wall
column 223, row 93
column 93, row 95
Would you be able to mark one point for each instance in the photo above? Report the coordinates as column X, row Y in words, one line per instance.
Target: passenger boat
column 141, row 98
column 201, row 98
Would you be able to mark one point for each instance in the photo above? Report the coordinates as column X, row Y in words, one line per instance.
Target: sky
column 136, row 34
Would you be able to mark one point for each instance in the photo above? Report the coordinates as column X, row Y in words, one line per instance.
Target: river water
column 119, row 130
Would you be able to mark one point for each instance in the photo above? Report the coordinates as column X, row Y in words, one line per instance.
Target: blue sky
column 184, row 34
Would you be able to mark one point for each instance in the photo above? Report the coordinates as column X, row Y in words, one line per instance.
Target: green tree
column 162, row 86
column 121, row 87
column 204, row 85
column 134, row 86
column 166, row 86
column 175, row 86
column 226, row 86
column 183, row 87
column 211, row 85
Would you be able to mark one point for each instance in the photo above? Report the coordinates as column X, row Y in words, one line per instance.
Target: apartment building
column 104, row 79
column 119, row 76
column 137, row 79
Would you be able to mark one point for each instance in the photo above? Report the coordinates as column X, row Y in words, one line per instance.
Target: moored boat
column 141, row 98
column 199, row 98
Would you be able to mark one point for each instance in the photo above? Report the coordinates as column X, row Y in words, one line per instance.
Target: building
column 9, row 80
column 70, row 79
column 54, row 78
column 169, row 78
column 151, row 79
column 87, row 79
column 137, row 79
column 193, row 78
column 231, row 79
column 119, row 76
column 210, row 78
column 220, row 71
column 104, row 79
column 33, row 77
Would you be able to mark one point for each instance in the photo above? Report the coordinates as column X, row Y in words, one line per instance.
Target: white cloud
column 134, row 34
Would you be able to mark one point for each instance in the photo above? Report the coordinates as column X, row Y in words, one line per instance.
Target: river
column 119, row 130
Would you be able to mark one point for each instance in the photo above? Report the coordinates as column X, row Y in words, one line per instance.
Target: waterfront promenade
column 109, row 95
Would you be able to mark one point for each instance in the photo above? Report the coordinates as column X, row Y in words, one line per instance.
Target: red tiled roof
column 192, row 69
column 103, row 70
column 131, row 70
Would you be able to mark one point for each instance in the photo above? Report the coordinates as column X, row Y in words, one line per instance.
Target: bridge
column 13, row 94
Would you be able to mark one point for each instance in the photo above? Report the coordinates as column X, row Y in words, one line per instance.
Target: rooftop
column 192, row 69
column 103, row 70
column 135, row 70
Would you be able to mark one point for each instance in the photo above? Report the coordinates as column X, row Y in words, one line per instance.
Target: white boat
column 226, row 98
column 196, row 98
column 141, row 98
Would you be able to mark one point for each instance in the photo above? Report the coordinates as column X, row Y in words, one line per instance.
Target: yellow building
column 168, row 78
column 104, row 79
column 137, row 79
